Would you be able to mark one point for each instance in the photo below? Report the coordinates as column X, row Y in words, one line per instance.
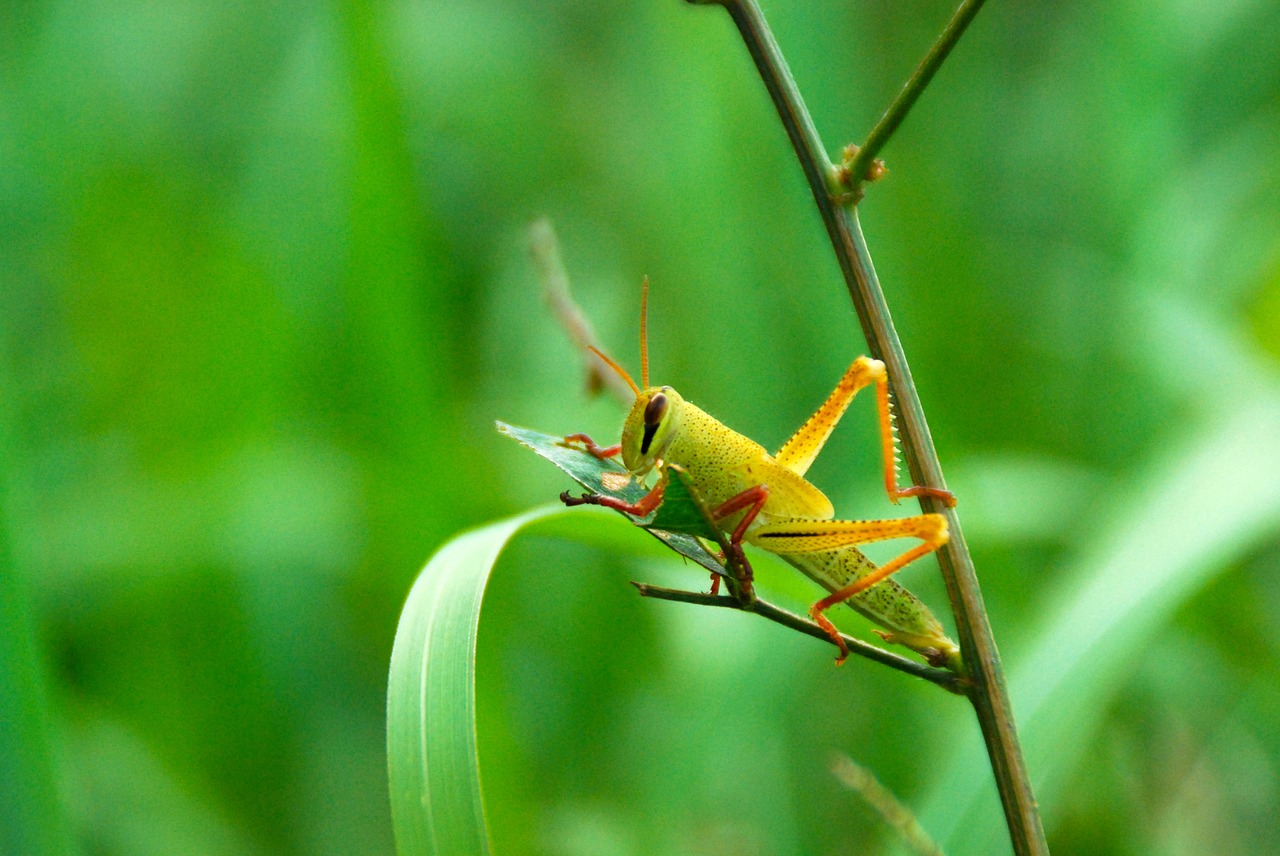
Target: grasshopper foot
column 741, row 568
column 590, row 446
column 943, row 495
column 642, row 508
column 825, row 624
column 585, row 499
column 737, row 558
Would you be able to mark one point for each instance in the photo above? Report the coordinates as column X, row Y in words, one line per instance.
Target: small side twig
column 738, row 577
column 858, row 166
column 948, row 680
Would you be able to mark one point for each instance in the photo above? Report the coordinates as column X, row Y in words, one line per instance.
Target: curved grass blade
column 436, row 806
column 436, row 802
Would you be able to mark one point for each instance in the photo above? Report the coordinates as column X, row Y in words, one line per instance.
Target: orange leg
column 803, row 447
column 752, row 499
column 642, row 507
column 889, row 447
column 813, row 536
column 591, row 446
column 816, row 612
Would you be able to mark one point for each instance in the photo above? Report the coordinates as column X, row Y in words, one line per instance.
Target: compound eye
column 655, row 409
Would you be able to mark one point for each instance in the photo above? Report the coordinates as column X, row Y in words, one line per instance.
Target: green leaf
column 678, row 522
column 599, row 475
column 436, row 806
column 681, row 510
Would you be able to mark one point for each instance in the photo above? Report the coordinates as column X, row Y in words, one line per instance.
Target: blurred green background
column 265, row 289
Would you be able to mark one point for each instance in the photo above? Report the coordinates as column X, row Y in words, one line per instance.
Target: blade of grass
column 432, row 766
column 545, row 248
column 436, row 807
column 881, row 800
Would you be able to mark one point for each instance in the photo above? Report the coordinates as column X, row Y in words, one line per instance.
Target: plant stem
column 986, row 689
column 920, row 78
column 948, row 680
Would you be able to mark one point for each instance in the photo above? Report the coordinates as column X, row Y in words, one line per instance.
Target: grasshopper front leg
column 592, row 448
column 642, row 507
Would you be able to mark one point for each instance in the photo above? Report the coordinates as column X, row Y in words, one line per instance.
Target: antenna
column 617, row 368
column 644, row 333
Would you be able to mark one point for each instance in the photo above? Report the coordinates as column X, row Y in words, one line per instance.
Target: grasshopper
column 765, row 501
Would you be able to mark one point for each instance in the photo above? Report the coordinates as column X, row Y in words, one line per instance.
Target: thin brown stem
column 986, row 689
column 944, row 678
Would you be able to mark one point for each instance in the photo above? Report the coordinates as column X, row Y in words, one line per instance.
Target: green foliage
column 32, row 818
column 675, row 523
column 264, row 293
column 431, row 717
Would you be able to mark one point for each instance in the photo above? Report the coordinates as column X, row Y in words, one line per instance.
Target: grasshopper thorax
column 650, row 427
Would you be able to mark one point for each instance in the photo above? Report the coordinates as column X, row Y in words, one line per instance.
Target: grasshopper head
column 650, row 427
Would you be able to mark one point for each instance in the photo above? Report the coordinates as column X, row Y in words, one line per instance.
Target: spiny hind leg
column 798, row 453
column 812, row 536
column 889, row 447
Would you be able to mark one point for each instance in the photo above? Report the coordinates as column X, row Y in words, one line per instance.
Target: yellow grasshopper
column 764, row 500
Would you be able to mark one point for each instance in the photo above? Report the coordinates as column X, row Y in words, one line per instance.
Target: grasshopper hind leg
column 794, row 539
column 803, row 447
